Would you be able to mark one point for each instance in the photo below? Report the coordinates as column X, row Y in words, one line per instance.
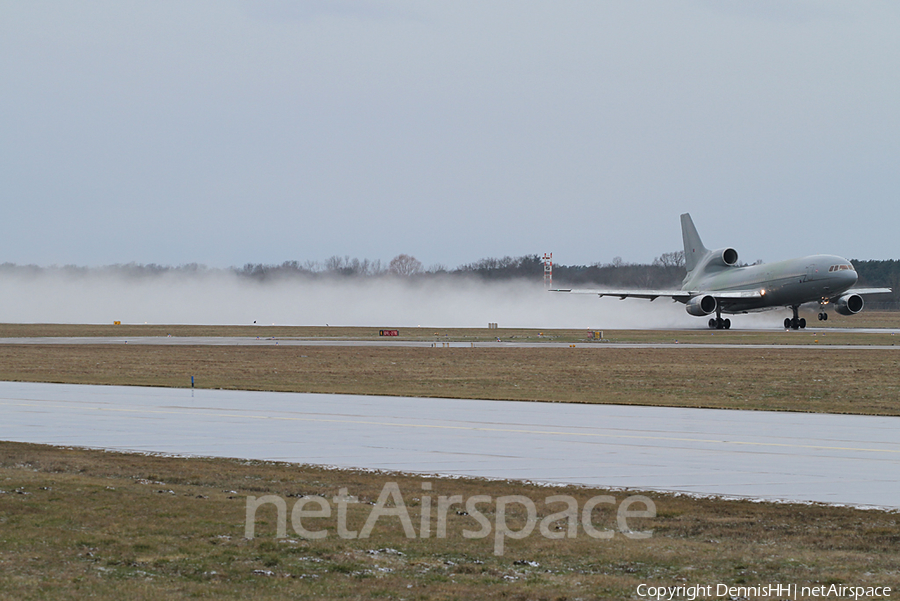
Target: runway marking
column 464, row 428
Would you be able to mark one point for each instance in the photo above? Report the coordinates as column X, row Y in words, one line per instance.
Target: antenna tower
column 548, row 270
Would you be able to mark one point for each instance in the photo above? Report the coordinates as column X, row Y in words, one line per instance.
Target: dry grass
column 115, row 526
column 818, row 380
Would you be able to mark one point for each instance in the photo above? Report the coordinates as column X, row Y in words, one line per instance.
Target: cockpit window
column 841, row 268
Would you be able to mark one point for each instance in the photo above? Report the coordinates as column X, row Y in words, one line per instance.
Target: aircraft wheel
column 820, row 317
column 712, row 322
column 787, row 323
column 795, row 324
column 824, row 316
column 727, row 324
column 802, row 323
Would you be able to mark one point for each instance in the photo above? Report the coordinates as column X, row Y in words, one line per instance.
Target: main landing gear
column 796, row 322
column 717, row 323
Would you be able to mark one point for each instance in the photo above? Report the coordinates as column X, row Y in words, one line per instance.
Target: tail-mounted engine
column 724, row 257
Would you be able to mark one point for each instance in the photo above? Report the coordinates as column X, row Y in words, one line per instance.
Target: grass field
column 820, row 380
column 92, row 524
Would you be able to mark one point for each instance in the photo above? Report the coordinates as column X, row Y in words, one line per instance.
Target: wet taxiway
column 841, row 459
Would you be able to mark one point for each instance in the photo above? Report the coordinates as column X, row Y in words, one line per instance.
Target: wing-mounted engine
column 849, row 304
column 701, row 305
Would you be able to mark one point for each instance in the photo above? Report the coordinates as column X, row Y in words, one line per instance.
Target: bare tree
column 405, row 265
column 673, row 259
column 334, row 264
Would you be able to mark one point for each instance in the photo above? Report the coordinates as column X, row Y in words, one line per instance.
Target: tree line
column 880, row 274
column 666, row 270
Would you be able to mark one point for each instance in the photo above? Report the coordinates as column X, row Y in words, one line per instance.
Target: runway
column 387, row 342
column 837, row 459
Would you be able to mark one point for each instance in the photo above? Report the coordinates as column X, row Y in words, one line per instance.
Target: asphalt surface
column 387, row 342
column 837, row 459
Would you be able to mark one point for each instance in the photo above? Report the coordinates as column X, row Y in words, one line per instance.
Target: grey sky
column 233, row 132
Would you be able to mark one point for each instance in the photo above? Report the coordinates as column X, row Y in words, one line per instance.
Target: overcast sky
column 231, row 132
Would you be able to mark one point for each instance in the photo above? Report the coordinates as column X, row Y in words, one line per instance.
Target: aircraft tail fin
column 693, row 246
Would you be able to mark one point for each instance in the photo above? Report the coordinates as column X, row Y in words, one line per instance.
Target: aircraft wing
column 869, row 291
column 623, row 294
column 677, row 295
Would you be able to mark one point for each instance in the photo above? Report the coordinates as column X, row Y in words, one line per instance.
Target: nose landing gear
column 823, row 316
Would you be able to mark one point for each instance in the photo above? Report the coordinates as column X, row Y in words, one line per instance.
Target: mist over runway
column 222, row 298
column 838, row 459
column 218, row 297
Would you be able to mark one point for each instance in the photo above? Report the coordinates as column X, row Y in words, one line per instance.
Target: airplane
column 716, row 284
